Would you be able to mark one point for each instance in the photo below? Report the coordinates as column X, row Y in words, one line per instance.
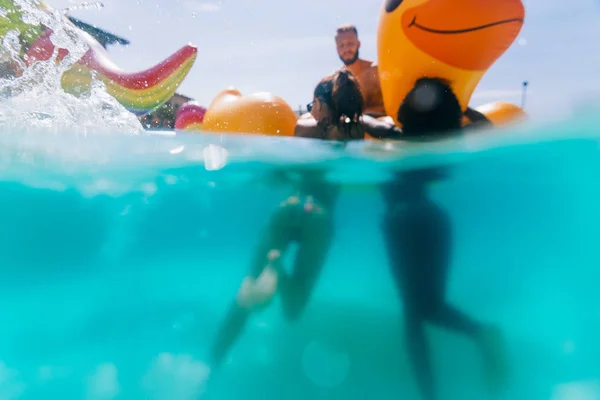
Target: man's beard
column 350, row 61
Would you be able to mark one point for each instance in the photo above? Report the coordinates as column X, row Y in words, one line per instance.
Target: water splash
column 97, row 5
column 36, row 100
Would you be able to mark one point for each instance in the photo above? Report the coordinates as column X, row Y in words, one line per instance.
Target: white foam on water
column 11, row 385
column 36, row 100
column 175, row 377
column 581, row 390
column 103, row 383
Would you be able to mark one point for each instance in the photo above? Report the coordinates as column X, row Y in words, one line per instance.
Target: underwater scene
column 128, row 256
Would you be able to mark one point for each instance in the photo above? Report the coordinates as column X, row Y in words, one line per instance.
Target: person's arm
column 380, row 129
column 478, row 120
column 374, row 113
column 307, row 128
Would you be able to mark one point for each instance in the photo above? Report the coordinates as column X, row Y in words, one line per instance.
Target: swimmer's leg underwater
column 311, row 227
column 315, row 239
column 418, row 236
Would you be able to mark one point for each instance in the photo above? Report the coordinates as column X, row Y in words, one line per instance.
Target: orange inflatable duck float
column 257, row 113
column 455, row 40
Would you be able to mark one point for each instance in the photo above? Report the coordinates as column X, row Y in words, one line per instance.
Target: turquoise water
column 119, row 257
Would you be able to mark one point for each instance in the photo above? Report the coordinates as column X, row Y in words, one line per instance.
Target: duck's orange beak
column 466, row 34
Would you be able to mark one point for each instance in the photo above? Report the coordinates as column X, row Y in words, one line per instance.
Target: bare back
column 367, row 75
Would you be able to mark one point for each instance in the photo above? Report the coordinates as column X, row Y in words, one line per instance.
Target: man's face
column 347, row 47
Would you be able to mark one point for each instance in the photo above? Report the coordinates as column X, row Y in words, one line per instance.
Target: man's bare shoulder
column 368, row 64
column 373, row 66
column 371, row 72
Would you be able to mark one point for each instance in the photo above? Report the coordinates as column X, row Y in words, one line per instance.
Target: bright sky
column 285, row 47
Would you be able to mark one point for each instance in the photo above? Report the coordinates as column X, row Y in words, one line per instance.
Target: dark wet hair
column 430, row 109
column 342, row 95
column 347, row 28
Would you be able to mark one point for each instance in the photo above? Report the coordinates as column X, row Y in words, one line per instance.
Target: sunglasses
column 309, row 106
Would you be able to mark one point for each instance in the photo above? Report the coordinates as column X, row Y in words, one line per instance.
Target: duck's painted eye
column 391, row 5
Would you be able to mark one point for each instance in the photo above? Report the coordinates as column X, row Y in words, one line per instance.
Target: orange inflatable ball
column 502, row 114
column 257, row 113
column 455, row 40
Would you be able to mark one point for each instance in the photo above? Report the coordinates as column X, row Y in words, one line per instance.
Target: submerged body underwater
column 121, row 255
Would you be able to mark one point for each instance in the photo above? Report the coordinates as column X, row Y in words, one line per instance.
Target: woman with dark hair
column 305, row 217
column 337, row 111
column 418, row 235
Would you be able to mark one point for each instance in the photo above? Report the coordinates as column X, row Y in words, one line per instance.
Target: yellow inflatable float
column 257, row 113
column 456, row 40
